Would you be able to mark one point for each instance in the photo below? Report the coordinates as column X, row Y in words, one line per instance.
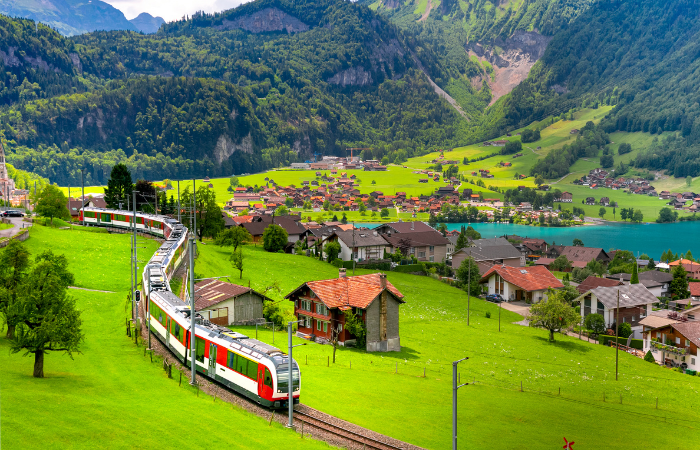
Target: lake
column 652, row 239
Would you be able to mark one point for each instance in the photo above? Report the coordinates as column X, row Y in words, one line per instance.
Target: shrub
column 625, row 330
column 332, row 251
column 488, row 314
column 408, row 268
column 595, row 322
column 649, row 357
column 274, row 238
column 337, row 262
column 634, row 343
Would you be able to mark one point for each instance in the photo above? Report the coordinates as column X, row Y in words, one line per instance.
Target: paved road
column 17, row 222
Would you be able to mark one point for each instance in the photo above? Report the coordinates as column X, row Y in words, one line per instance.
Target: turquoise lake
column 652, row 239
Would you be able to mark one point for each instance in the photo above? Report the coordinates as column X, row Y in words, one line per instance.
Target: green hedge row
column 634, row 343
column 409, row 268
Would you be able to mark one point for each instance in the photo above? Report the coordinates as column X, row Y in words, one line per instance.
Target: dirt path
column 427, row 11
column 91, row 290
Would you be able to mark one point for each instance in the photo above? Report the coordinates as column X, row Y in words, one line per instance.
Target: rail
column 365, row 441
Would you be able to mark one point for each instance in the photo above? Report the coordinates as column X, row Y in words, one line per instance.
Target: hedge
column 634, row 343
column 409, row 268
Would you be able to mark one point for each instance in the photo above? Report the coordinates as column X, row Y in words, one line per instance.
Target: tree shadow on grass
column 405, row 354
column 572, row 346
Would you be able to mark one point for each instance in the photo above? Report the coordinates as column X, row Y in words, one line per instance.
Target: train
column 246, row 366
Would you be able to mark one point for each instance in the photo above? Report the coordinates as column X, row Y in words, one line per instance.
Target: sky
column 171, row 9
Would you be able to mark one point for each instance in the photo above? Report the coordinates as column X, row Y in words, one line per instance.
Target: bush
column 625, row 330
column 332, row 251
column 408, row 268
column 337, row 262
column 634, row 343
column 649, row 357
column 274, row 238
column 595, row 322
column 488, row 314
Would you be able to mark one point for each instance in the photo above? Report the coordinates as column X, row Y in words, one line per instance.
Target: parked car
column 494, row 298
column 12, row 213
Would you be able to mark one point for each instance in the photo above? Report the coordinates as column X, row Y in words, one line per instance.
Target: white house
column 528, row 284
column 635, row 302
column 359, row 244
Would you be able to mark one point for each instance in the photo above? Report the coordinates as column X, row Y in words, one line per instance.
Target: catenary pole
column 179, row 219
column 192, row 311
column 617, row 334
column 469, row 288
column 194, row 211
column 290, row 400
column 148, row 306
column 135, row 268
column 455, row 387
column 82, row 193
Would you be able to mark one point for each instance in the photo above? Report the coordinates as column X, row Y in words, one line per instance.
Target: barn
column 228, row 304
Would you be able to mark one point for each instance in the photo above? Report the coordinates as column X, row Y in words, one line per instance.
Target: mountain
column 146, row 23
column 69, row 17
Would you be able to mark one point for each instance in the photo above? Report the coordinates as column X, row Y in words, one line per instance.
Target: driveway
column 17, row 222
column 521, row 308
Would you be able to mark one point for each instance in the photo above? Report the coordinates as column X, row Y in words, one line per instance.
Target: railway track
column 337, row 430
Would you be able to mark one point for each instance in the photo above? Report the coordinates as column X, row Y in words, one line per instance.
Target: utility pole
column 192, row 312
column 178, row 202
column 194, row 211
column 617, row 326
column 454, row 401
column 82, row 187
column 499, row 315
column 353, row 249
column 148, row 305
column 135, row 266
column 290, row 400
column 469, row 288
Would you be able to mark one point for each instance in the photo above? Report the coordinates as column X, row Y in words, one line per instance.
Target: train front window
column 283, row 377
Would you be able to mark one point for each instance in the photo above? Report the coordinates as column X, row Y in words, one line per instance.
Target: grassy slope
column 110, row 396
column 434, row 332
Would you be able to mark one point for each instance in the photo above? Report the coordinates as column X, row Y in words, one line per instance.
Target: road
column 17, row 222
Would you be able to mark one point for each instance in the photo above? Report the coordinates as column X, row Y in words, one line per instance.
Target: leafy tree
column 651, row 265
column 210, row 220
column 623, row 261
column 469, row 276
column 145, row 196
column 601, row 212
column 357, row 327
column 233, row 237
column 14, row 261
column 581, row 273
column 234, row 181
column 596, row 267
column 649, row 357
column 679, row 284
column 578, row 242
column 46, row 317
column 638, row 216
column 539, row 181
column 595, row 323
column 624, row 148
column 237, row 261
column 635, row 275
column 472, row 233
column 281, row 211
column 624, row 330
column 623, row 213
column 553, row 314
column 332, row 251
column 688, row 180
column 289, row 202
column 607, row 161
column 384, row 213
column 326, row 205
column 560, row 264
column 274, row 238
column 666, row 215
column 462, row 241
column 119, row 186
column 52, row 203
column 442, row 228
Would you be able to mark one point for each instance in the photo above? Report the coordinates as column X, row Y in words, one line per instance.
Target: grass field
column 493, row 412
column 111, row 396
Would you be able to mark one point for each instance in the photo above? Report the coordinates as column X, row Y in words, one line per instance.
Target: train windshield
column 283, row 376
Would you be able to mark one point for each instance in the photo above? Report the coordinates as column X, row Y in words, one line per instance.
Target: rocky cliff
column 266, row 20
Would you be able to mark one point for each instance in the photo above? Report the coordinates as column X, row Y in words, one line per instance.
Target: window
column 104, row 217
column 176, row 330
column 432, row 248
column 268, row 378
column 678, row 341
column 432, row 259
column 421, row 254
column 306, row 305
column 691, row 316
column 318, row 325
column 340, row 328
column 230, row 360
column 692, row 361
column 687, row 343
column 325, row 327
column 90, row 214
column 321, row 309
column 199, row 349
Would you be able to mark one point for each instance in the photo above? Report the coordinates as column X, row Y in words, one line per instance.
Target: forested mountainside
column 269, row 83
column 69, row 17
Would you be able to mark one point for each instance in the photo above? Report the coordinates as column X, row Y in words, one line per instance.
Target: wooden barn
column 228, row 304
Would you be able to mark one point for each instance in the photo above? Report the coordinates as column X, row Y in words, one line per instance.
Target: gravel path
column 17, row 222
column 91, row 290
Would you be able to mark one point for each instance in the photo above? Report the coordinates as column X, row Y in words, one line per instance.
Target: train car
column 252, row 368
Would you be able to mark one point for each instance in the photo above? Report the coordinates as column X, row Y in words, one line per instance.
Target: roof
column 575, row 253
column 594, row 282
column 408, row 227
column 689, row 330
column 490, row 249
column 212, row 292
column 420, row 238
column 533, row 278
column 630, row 295
column 681, row 261
column 694, row 287
column 360, row 238
column 656, row 321
column 343, row 293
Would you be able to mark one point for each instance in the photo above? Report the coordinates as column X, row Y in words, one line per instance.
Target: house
column 228, row 304
column 528, row 284
column 656, row 281
column 635, row 302
column 605, row 201
column 593, row 282
column 359, row 245
column 566, row 197
column 579, row 254
column 321, row 305
column 675, row 344
column 256, row 227
column 694, row 288
column 489, row 252
column 692, row 268
column 590, row 200
column 418, row 238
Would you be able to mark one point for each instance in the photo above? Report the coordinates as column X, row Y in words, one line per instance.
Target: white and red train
column 246, row 366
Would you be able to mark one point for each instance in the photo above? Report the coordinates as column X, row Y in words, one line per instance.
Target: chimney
column 341, row 273
column 382, row 280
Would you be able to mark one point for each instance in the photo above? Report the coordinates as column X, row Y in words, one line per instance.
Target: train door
column 264, row 382
column 167, row 332
column 212, row 360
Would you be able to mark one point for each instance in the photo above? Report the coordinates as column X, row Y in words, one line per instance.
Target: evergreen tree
column 462, row 241
column 119, row 187
column 679, row 284
column 635, row 275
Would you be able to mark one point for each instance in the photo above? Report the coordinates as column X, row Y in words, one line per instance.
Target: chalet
column 359, row 245
column 445, row 190
column 528, row 284
column 656, row 281
column 635, row 302
column 590, row 201
column 417, row 238
column 579, row 254
column 566, row 197
column 228, row 304
column 489, row 252
column 321, row 305
column 692, row 268
column 675, row 344
column 593, row 282
column 605, row 201
column 256, row 227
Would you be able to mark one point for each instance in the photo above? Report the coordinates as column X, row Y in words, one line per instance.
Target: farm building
column 321, row 306
column 228, row 304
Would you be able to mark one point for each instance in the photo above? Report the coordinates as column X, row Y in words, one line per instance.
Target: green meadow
column 111, row 396
column 387, row 392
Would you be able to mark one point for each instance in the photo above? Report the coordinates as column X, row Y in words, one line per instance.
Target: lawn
column 365, row 389
column 110, row 395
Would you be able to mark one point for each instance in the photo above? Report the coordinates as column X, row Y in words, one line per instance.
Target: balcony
column 670, row 348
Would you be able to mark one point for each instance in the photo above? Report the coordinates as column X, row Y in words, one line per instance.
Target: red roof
column 533, row 278
column 347, row 292
column 593, row 282
column 694, row 288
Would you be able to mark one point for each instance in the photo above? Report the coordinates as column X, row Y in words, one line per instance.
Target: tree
column 326, row 205
column 210, row 220
column 601, row 212
column 145, row 196
column 581, row 273
column 623, row 213
column 442, row 228
column 624, row 330
column 553, row 314
column 462, row 241
column 234, row 182
column 649, row 357
column 689, row 256
column 666, row 215
column 119, row 186
column 624, row 148
column 357, row 327
column 595, row 323
column 274, row 238
column 289, row 202
column 596, row 267
column 578, row 242
column 607, row 161
column 635, row 275
column 332, row 251
column 472, row 233
column 52, row 203
column 237, row 261
column 560, row 264
column 385, row 213
column 469, row 276
column 651, row 265
column 688, row 180
column 539, row 181
column 679, row 284
column 281, row 211
column 14, row 261
column 46, row 317
column 638, row 216
column 432, row 220
column 344, row 219
column 233, row 237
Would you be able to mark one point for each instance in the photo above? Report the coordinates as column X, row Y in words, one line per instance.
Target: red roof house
column 528, row 284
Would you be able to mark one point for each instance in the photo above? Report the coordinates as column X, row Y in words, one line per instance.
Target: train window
column 241, row 365
column 230, row 361
column 104, row 217
column 268, row 377
column 90, row 214
column 252, row 370
column 199, row 349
